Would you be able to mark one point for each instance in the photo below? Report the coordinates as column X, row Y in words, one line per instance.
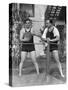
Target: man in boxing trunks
column 51, row 35
column 26, row 37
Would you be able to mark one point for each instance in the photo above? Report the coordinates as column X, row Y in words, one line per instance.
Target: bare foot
column 62, row 75
column 47, row 78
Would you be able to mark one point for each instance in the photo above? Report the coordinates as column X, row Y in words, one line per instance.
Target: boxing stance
column 26, row 37
column 51, row 35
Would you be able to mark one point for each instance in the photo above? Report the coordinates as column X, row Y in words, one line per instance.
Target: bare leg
column 56, row 56
column 23, row 57
column 33, row 57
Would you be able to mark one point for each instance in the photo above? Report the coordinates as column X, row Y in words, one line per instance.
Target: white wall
column 38, row 22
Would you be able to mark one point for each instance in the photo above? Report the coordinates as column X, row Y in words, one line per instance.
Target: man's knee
column 22, row 60
column 55, row 51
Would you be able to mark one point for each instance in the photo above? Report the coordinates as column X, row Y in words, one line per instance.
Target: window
column 29, row 8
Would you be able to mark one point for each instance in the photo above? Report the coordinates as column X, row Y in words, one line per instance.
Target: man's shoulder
column 22, row 30
column 55, row 28
column 45, row 30
column 32, row 29
column 56, row 31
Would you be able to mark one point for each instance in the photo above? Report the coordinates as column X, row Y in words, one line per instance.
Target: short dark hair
column 50, row 20
column 27, row 20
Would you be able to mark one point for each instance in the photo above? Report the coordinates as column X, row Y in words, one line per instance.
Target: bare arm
column 36, row 34
column 43, row 39
column 56, row 39
column 44, row 35
column 21, row 35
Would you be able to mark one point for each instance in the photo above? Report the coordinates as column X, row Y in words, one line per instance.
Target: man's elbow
column 43, row 39
column 20, row 39
column 58, row 38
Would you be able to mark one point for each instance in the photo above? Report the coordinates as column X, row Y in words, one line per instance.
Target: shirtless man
column 51, row 35
column 27, row 45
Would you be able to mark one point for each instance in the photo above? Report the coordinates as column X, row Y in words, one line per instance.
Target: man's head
column 28, row 23
column 49, row 23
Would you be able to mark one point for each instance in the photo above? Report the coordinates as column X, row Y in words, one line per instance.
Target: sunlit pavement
column 30, row 78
